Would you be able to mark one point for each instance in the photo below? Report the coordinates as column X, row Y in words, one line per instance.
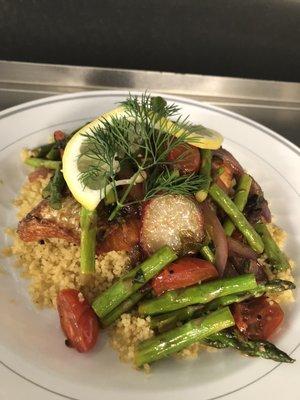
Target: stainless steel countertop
column 274, row 104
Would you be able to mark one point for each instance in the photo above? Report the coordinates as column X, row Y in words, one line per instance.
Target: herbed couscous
column 42, row 264
column 141, row 256
column 54, row 264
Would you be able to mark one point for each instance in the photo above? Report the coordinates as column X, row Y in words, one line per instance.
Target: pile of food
column 142, row 224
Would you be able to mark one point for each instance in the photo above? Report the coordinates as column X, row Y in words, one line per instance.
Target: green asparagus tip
column 177, row 339
column 254, row 348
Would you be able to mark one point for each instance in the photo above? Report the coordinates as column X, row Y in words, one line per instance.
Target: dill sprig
column 144, row 138
column 170, row 182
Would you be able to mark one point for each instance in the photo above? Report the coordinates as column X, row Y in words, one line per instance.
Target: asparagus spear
column 275, row 285
column 170, row 320
column 88, row 225
column 41, row 151
column 199, row 294
column 53, row 191
column 276, row 257
column 132, row 281
column 60, row 143
column 54, row 153
column 175, row 340
column 44, row 149
column 253, row 348
column 124, row 307
column 207, row 253
column 240, row 200
column 206, row 156
column 40, row 162
column 205, row 170
column 237, row 217
column 167, row 321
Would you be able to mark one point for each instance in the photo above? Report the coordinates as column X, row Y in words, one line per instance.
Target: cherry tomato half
column 184, row 272
column 258, row 318
column 77, row 319
column 186, row 158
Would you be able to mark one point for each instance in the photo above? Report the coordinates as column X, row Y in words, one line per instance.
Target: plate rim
column 105, row 93
column 95, row 93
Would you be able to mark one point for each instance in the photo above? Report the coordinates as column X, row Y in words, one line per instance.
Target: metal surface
column 274, row 104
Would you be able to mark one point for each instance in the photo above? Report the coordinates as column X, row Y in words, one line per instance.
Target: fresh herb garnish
column 170, row 182
column 144, row 138
column 53, row 191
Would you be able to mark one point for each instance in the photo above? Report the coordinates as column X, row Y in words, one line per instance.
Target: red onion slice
column 216, row 231
column 240, row 249
column 229, row 159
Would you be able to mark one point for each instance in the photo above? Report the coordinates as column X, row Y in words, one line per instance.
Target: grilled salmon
column 43, row 222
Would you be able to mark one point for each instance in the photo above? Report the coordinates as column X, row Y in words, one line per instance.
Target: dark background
column 243, row 38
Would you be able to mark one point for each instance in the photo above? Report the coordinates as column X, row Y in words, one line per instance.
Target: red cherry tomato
column 258, row 318
column 187, row 156
column 184, row 272
column 77, row 319
column 58, row 136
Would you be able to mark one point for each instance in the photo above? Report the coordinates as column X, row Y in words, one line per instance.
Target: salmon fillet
column 43, row 222
column 121, row 236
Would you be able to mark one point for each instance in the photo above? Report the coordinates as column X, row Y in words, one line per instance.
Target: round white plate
column 33, row 358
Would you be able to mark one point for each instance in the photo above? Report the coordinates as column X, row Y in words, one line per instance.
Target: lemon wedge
column 199, row 136
column 86, row 196
column 90, row 197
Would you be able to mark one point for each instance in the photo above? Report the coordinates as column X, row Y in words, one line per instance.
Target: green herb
column 53, row 191
column 170, row 182
column 159, row 105
column 143, row 139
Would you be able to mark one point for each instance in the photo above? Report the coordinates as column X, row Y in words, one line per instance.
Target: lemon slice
column 90, row 197
column 86, row 196
column 199, row 136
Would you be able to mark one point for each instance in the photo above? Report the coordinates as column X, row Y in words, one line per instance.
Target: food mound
column 141, row 223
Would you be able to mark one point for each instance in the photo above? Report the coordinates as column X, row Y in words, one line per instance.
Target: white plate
column 34, row 359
